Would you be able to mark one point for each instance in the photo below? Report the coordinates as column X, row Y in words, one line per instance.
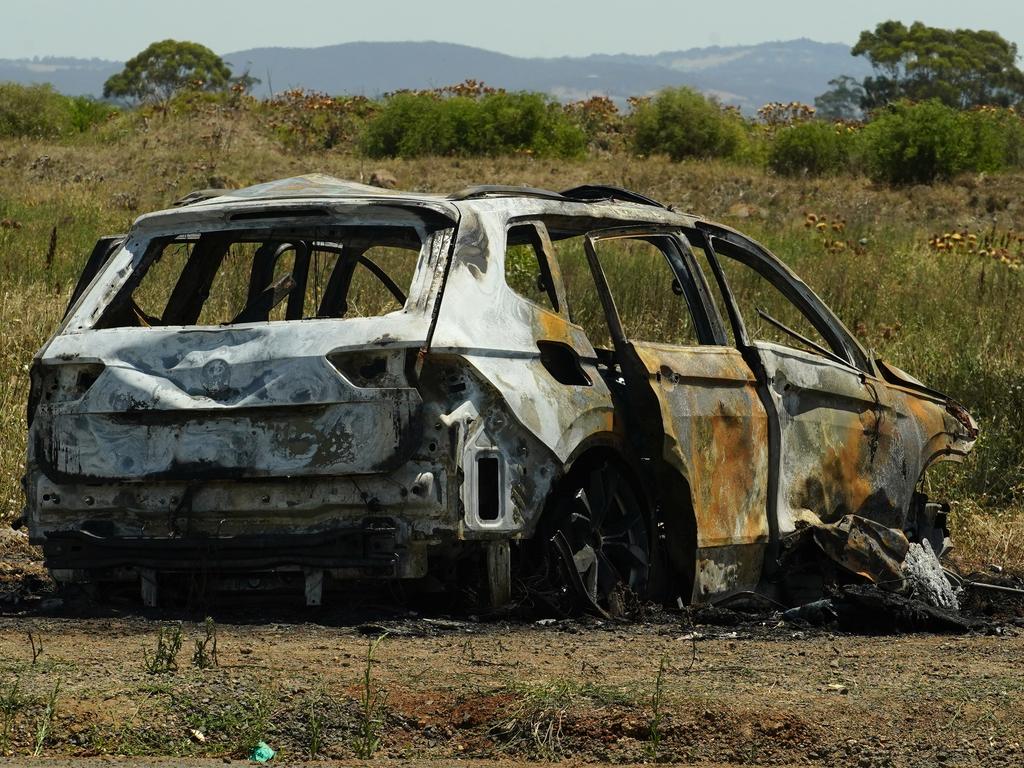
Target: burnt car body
column 242, row 391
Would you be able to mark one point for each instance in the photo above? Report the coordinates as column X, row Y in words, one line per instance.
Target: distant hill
column 75, row 77
column 748, row 76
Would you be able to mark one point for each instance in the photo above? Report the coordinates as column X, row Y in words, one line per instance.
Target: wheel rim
column 605, row 536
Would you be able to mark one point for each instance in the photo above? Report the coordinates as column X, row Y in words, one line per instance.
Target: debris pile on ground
column 925, row 579
column 880, row 582
column 864, row 608
column 23, row 579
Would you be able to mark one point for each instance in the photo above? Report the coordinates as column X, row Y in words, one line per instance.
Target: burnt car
column 314, row 381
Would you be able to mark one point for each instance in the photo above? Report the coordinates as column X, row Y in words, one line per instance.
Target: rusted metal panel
column 851, row 444
column 716, row 436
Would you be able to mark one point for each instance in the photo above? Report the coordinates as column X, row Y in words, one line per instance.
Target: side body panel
column 716, row 437
column 841, row 449
column 849, row 442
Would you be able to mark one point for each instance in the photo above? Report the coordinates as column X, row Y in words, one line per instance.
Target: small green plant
column 657, row 711
column 45, row 724
column 534, row 722
column 11, row 704
column 372, row 701
column 237, row 722
column 315, row 726
column 205, row 654
column 165, row 657
column 36, row 643
column 255, row 716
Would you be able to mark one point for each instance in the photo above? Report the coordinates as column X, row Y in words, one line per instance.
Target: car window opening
column 240, row 276
column 768, row 313
column 654, row 308
column 527, row 271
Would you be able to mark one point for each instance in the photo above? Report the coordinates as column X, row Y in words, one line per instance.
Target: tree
column 959, row 67
column 165, row 68
column 842, row 101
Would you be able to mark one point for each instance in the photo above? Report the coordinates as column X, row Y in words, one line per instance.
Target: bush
column 917, row 143
column 813, row 148
column 996, row 138
column 85, row 112
column 601, row 121
column 303, row 120
column 38, row 111
column 35, row 111
column 496, row 123
column 680, row 122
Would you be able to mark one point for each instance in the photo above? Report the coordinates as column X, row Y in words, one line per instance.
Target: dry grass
column 984, row 537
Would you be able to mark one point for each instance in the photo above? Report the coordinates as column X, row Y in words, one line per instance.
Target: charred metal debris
column 585, row 396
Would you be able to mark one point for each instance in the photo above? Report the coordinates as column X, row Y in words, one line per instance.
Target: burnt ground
column 735, row 688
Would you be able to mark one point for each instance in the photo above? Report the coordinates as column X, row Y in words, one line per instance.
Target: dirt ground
column 441, row 689
column 81, row 684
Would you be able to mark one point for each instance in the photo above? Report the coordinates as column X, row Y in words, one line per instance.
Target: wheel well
column 597, row 455
column 668, row 504
column 582, row 460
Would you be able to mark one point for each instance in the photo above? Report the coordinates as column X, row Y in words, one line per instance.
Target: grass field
column 930, row 277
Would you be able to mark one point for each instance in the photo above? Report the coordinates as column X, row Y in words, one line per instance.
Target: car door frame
column 708, row 411
column 867, row 465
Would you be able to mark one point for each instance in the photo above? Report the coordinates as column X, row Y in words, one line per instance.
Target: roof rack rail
column 503, row 190
column 199, row 195
column 608, row 192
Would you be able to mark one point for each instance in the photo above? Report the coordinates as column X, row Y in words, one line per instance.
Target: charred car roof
column 285, row 196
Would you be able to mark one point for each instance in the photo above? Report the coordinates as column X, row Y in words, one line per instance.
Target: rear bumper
column 357, row 527
column 377, row 549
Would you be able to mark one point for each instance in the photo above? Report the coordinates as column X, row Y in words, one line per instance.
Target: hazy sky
column 117, row 29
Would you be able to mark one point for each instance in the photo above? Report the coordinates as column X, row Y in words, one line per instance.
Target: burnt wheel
column 600, row 540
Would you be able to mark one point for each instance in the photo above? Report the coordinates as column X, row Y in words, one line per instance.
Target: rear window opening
column 250, row 276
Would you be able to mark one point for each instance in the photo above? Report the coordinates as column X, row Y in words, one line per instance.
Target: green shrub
column 38, row 111
column 85, row 112
column 813, row 148
column 917, row 143
column 996, row 138
column 421, row 124
column 35, row 111
column 681, row 123
column 920, row 143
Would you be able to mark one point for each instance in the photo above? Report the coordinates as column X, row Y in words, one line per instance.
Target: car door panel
column 713, row 433
column 839, row 445
column 716, row 435
column 840, row 449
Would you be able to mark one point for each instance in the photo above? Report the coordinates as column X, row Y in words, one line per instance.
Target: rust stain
column 552, row 327
column 846, row 483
